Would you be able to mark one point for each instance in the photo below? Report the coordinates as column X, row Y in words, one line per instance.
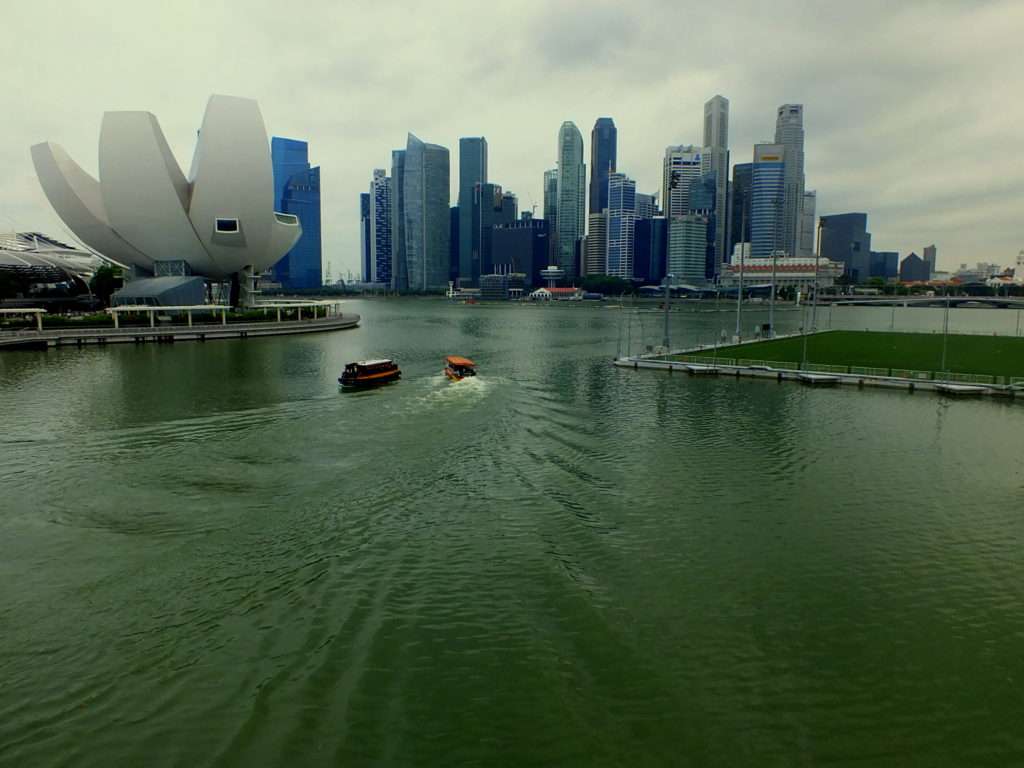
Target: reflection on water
column 211, row 555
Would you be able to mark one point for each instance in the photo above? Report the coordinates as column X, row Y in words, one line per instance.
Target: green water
column 210, row 556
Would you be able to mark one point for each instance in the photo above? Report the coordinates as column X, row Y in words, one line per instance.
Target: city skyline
column 873, row 129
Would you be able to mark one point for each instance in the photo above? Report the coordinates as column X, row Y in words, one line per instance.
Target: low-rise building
column 799, row 271
column 547, row 294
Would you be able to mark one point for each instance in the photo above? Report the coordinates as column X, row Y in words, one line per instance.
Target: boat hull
column 367, row 382
column 455, row 376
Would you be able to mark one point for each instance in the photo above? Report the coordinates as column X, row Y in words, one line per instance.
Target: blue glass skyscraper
column 297, row 191
column 424, row 199
column 704, row 202
column 766, row 200
column 621, row 223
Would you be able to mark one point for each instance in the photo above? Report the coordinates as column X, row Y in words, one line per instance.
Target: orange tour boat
column 457, row 368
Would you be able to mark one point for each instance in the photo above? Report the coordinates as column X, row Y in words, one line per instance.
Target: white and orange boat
column 458, row 368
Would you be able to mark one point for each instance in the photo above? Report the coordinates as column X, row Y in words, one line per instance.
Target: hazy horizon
column 910, row 113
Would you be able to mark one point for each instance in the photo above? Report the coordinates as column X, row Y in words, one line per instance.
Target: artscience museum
column 217, row 224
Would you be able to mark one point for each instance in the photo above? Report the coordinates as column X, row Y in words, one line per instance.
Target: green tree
column 103, row 284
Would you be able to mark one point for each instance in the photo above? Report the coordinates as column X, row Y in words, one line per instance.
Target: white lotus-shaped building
column 218, row 223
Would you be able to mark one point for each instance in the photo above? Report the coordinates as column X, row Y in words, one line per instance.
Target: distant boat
column 369, row 373
column 457, row 368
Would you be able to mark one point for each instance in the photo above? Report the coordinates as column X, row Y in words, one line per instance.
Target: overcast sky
column 914, row 111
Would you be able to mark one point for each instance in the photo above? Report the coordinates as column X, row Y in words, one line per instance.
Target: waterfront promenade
column 171, row 333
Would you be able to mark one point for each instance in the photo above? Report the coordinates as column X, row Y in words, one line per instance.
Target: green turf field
column 994, row 355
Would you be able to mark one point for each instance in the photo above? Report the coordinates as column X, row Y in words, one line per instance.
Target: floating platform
column 819, row 380
column 170, row 334
column 961, row 390
column 814, row 379
column 701, row 370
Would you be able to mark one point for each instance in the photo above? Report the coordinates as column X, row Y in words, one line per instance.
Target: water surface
column 210, row 556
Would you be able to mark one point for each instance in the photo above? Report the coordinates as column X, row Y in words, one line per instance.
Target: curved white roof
column 143, row 208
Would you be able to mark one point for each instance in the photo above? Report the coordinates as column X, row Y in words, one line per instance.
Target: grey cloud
column 912, row 109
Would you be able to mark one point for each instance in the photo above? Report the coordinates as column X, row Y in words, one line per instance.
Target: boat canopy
column 460, row 362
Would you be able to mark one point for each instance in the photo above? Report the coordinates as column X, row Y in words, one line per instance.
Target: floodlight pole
column 668, row 298
column 739, row 292
column 945, row 332
column 814, row 301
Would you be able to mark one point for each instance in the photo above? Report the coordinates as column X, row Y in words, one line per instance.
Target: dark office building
column 703, row 190
column 739, row 205
column 472, row 171
column 522, row 247
column 399, row 275
column 364, row 236
column 490, row 208
column 929, row 258
column 650, row 246
column 603, row 141
column 453, row 246
column 502, row 287
column 885, row 264
column 914, row 269
column 845, row 238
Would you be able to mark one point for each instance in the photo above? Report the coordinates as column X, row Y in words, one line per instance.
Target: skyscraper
column 621, row 223
column 845, row 238
column 807, row 217
column 595, row 244
column 490, row 208
column 682, row 165
column 603, row 141
column 650, row 243
column 453, row 244
column 704, row 202
column 364, row 237
column 885, row 264
column 380, row 227
column 929, row 259
column 645, row 206
column 789, row 132
column 687, row 248
column 767, row 190
column 739, row 203
column 572, row 180
column 399, row 274
column 427, row 218
column 551, row 200
column 472, row 171
column 297, row 191
column 522, row 246
column 716, row 160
